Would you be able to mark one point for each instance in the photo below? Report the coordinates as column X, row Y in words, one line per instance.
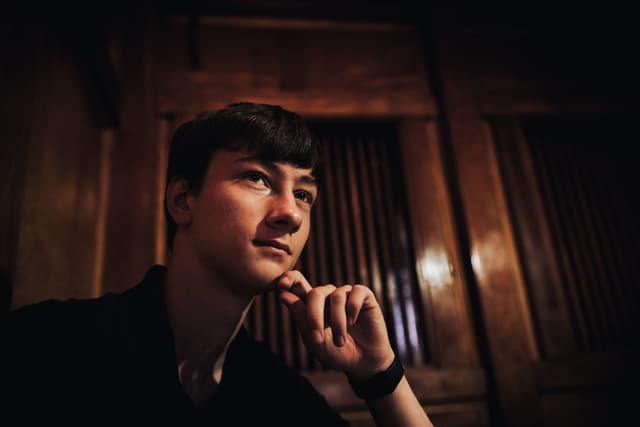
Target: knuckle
column 290, row 273
column 327, row 288
column 345, row 288
column 361, row 288
column 315, row 292
column 337, row 296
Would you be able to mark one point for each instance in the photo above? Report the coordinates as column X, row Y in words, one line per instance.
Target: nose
column 285, row 214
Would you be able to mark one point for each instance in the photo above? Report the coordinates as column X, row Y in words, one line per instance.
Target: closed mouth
column 274, row 244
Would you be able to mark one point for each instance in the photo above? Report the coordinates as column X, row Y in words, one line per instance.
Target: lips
column 274, row 244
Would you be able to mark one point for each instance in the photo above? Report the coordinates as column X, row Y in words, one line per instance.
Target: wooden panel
column 382, row 239
column 459, row 414
column 438, row 261
column 523, row 63
column 55, row 253
column 610, row 368
column 501, row 295
column 315, row 71
column 592, row 407
column 107, row 140
column 587, row 177
column 185, row 97
column 401, row 250
column 443, row 415
column 537, row 254
column 519, row 104
column 131, row 220
column 165, row 131
column 22, row 61
column 569, row 183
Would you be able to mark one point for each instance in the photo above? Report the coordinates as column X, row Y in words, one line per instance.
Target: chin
column 264, row 281
column 268, row 288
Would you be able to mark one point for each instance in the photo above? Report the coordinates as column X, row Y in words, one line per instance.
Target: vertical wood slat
column 357, row 213
column 162, row 153
column 537, row 254
column 131, row 249
column 612, row 275
column 332, row 215
column 593, row 257
column 400, row 258
column 345, row 215
column 575, row 231
column 622, row 220
column 591, row 181
column 570, row 278
column 602, row 234
column 521, row 298
column 618, row 233
column 107, row 139
column 438, row 263
column 407, row 268
column 370, row 231
column 390, row 284
column 582, row 264
column 318, row 237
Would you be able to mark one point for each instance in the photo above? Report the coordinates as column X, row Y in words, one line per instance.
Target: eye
column 256, row 177
column 305, row 196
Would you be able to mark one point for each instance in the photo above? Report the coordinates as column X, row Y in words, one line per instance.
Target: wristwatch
column 380, row 384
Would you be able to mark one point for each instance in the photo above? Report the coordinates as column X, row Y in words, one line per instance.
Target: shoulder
column 60, row 325
column 88, row 320
column 53, row 351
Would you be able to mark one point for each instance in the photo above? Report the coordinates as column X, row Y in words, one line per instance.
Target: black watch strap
column 380, row 384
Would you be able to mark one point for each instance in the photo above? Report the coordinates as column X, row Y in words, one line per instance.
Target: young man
column 241, row 184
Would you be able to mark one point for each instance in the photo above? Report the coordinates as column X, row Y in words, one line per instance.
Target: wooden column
column 438, row 262
column 503, row 306
column 131, row 223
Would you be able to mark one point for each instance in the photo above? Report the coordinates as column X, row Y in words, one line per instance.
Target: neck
column 203, row 311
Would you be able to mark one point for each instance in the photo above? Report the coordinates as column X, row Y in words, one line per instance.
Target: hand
column 352, row 337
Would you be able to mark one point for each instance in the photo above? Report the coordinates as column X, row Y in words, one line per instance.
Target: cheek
column 300, row 238
column 230, row 216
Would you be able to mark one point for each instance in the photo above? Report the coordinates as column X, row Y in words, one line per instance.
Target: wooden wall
column 460, row 89
column 52, row 187
column 544, row 69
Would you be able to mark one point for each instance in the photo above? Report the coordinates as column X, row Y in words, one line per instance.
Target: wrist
column 364, row 371
column 379, row 384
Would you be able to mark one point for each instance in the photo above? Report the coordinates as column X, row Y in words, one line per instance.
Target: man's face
column 250, row 219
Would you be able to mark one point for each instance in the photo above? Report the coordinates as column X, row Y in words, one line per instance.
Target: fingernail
column 340, row 341
column 317, row 336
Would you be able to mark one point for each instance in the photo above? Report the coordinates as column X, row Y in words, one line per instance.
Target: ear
column 177, row 200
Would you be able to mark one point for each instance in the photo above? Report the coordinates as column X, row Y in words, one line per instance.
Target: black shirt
column 112, row 359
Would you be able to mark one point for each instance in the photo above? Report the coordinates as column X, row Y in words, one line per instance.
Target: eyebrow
column 274, row 168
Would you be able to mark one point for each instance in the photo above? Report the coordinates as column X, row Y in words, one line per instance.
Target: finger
column 338, row 315
column 316, row 300
column 297, row 308
column 358, row 298
column 294, row 281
